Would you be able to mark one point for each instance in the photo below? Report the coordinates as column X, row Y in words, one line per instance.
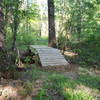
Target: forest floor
column 36, row 84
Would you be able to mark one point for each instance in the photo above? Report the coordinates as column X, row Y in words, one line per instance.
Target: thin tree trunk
column 1, row 25
column 79, row 17
column 14, row 32
column 51, row 22
column 15, row 26
column 3, row 53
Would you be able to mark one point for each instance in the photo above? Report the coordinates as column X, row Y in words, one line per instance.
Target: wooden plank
column 41, row 54
column 53, row 60
column 46, row 58
column 51, row 57
column 54, row 63
column 45, row 55
column 48, row 52
column 47, row 65
column 46, row 49
column 49, row 60
column 43, row 48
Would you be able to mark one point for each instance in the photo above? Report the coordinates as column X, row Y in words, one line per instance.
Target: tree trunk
column 51, row 22
column 3, row 54
column 1, row 25
column 15, row 26
column 14, row 33
column 79, row 21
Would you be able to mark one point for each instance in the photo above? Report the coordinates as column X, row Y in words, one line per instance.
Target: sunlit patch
column 85, row 88
column 81, row 92
column 8, row 92
column 97, row 72
column 70, row 54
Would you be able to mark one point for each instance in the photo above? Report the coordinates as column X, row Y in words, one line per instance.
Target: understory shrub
column 7, row 63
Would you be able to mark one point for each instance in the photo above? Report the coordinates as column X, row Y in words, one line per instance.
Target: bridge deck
column 49, row 56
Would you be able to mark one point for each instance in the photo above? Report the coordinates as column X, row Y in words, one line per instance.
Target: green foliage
column 25, row 39
column 62, row 40
column 87, row 50
column 67, row 88
column 18, row 27
column 7, row 61
column 78, row 18
column 31, row 12
column 42, row 95
column 26, row 90
column 77, row 95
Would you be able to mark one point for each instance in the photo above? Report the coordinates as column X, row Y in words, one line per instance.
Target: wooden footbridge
column 49, row 56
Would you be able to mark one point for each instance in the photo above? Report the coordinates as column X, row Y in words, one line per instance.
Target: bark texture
column 51, row 23
column 1, row 25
